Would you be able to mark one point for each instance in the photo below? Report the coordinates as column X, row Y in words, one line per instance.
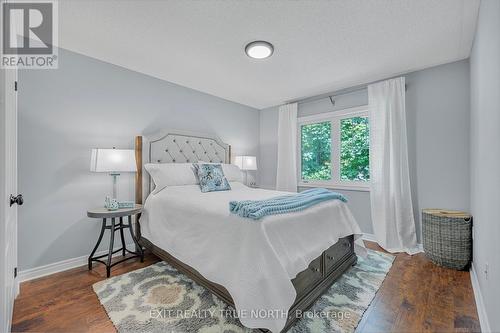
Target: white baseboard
column 481, row 310
column 63, row 265
column 372, row 238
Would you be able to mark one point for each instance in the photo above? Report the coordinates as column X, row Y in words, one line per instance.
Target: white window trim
column 334, row 117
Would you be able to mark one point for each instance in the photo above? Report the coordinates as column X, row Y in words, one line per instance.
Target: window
column 334, row 149
column 354, row 149
column 316, row 143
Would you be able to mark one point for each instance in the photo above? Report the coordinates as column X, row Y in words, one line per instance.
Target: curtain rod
column 335, row 94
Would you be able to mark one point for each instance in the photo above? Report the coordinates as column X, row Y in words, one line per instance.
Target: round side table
column 113, row 215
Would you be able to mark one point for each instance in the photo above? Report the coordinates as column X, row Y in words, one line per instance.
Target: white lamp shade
column 246, row 162
column 112, row 160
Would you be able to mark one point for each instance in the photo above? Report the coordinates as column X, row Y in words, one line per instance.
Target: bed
column 263, row 268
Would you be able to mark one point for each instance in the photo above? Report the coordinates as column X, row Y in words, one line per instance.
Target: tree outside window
column 354, row 149
column 316, row 143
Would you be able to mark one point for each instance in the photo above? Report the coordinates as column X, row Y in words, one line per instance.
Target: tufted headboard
column 175, row 147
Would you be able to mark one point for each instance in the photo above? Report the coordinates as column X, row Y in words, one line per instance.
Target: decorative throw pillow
column 212, row 178
column 231, row 171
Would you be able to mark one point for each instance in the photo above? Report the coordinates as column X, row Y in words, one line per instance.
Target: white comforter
column 253, row 260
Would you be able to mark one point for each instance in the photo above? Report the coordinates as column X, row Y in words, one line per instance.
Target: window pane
column 316, row 143
column 354, row 149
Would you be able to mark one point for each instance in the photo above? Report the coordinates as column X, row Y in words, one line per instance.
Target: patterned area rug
column 160, row 299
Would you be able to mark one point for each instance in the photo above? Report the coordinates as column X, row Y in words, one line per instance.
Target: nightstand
column 114, row 215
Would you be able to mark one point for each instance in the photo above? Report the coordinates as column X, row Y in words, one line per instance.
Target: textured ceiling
column 320, row 46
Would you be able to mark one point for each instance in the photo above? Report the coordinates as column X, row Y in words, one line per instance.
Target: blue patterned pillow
column 212, row 178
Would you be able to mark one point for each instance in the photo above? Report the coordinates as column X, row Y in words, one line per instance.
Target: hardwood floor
column 65, row 302
column 416, row 296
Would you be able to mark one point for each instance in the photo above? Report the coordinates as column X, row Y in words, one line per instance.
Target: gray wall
column 87, row 103
column 485, row 155
column 437, row 106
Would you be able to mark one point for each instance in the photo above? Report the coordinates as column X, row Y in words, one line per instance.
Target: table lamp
column 246, row 163
column 113, row 161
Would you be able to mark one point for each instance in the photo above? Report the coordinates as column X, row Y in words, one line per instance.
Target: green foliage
column 316, row 146
column 354, row 149
column 316, row 143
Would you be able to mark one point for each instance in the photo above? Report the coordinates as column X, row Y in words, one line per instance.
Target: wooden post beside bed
column 309, row 284
column 138, row 174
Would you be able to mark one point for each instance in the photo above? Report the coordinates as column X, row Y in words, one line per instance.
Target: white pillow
column 171, row 174
column 232, row 172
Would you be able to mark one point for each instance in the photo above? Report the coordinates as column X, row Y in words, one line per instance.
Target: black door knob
column 16, row 199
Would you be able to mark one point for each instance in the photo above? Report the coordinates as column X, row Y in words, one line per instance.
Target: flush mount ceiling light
column 259, row 49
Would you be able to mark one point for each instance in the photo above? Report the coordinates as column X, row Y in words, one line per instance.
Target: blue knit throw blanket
column 256, row 209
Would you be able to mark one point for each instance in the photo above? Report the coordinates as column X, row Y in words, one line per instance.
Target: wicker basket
column 447, row 237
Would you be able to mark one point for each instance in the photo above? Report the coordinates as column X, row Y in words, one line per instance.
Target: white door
column 8, row 187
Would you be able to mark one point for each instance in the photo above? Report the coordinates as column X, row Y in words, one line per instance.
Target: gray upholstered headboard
column 175, row 147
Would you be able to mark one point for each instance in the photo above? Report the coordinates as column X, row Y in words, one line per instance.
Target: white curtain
column 391, row 206
column 286, row 175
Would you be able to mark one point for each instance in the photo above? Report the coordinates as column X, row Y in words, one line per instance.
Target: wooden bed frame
column 175, row 146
